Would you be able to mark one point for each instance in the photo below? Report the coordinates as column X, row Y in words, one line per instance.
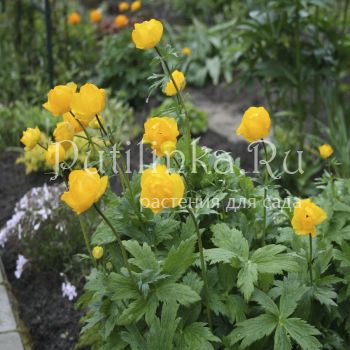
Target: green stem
column 310, row 259
column 43, row 147
column 265, row 196
column 86, row 239
column 120, row 243
column 203, row 265
column 180, row 101
column 345, row 15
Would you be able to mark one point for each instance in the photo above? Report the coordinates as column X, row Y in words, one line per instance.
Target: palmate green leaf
column 325, row 295
column 271, row 260
column 133, row 312
column 192, row 280
column 216, row 255
column 230, row 239
column 265, row 302
column 282, row 340
column 122, row 287
column 247, row 277
column 164, row 228
column 143, row 255
column 303, row 333
column 179, row 259
column 253, row 329
column 236, row 308
column 182, row 293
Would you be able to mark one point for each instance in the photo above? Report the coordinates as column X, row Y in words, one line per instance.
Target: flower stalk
column 310, row 259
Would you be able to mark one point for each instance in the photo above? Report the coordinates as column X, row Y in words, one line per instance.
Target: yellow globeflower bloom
column 160, row 190
column 179, row 78
column 68, row 117
column 97, row 252
column 159, row 130
column 88, row 102
column 123, row 6
column 64, row 132
column 85, row 188
column 59, row 99
column 55, row 154
column 168, row 147
column 30, row 138
column 325, row 150
column 121, row 21
column 95, row 124
column 306, row 216
column 74, row 18
column 95, row 16
column 186, row 51
column 147, row 34
column 135, row 6
column 255, row 124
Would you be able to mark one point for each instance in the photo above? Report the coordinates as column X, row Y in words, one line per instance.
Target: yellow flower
column 55, row 154
column 74, row 18
column 147, row 34
column 123, row 6
column 158, row 131
column 95, row 16
column 306, row 216
column 59, row 99
column 95, row 124
column 135, row 6
column 67, row 117
column 179, row 78
column 85, row 188
column 88, row 102
column 121, row 21
column 325, row 150
column 168, row 147
column 186, row 51
column 97, row 252
column 255, row 124
column 30, row 138
column 64, row 132
column 160, row 190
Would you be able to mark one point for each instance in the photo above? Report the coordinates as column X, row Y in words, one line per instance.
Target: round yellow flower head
column 186, row 51
column 30, row 138
column 121, row 21
column 88, row 102
column 255, row 124
column 64, row 132
column 74, row 18
column 59, row 99
column 135, row 6
column 325, row 150
column 123, row 6
column 95, row 16
column 95, row 124
column 97, row 252
column 159, row 130
column 306, row 216
column 85, row 188
column 68, row 117
column 147, row 34
column 160, row 190
column 168, row 148
column 179, row 78
column 55, row 154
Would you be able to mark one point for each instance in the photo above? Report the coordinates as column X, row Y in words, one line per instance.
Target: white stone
column 10, row 341
column 7, row 320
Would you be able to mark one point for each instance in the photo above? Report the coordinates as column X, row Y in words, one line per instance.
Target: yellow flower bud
column 55, row 154
column 306, row 216
column 95, row 16
column 85, row 188
column 186, row 51
column 97, row 252
column 255, row 124
column 158, row 131
column 109, row 266
column 325, row 150
column 147, row 34
column 179, row 78
column 88, row 102
column 59, row 99
column 160, row 190
column 168, row 148
column 123, row 6
column 95, row 124
column 30, row 138
column 121, row 21
column 135, row 6
column 64, row 132
column 67, row 117
column 74, row 18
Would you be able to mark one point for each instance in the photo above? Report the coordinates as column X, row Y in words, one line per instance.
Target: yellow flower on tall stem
column 95, row 16
column 123, row 6
column 55, row 154
column 147, row 35
column 85, row 188
column 30, row 138
column 64, row 132
column 135, row 6
column 59, row 99
column 326, row 151
column 97, row 252
column 121, row 21
column 180, row 81
column 186, row 51
column 68, row 117
column 74, row 18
